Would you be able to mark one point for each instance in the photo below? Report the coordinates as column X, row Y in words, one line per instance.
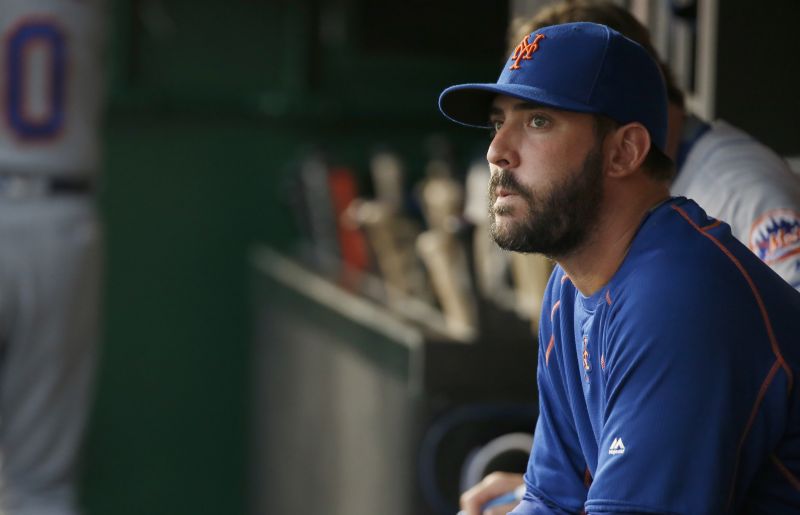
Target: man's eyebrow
column 519, row 106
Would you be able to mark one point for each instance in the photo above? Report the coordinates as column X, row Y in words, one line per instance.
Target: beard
column 556, row 222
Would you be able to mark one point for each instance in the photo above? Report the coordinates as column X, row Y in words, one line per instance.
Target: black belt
column 68, row 185
column 24, row 186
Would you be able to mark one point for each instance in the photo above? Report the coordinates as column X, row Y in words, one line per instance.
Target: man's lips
column 504, row 198
column 503, row 192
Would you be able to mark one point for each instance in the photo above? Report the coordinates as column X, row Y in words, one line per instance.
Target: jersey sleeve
column 687, row 378
column 744, row 183
column 554, row 480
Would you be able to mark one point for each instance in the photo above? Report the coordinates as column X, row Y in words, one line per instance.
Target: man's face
column 546, row 185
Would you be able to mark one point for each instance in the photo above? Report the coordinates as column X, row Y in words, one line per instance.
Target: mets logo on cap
column 776, row 235
column 525, row 50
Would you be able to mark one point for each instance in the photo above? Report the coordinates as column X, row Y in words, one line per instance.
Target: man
column 666, row 370
column 50, row 256
column 734, row 177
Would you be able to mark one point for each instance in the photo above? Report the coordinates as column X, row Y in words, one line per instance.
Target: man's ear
column 626, row 149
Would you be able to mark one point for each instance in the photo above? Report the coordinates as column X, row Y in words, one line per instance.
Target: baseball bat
column 445, row 263
column 530, row 273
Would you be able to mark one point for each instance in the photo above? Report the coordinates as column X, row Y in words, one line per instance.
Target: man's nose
column 502, row 150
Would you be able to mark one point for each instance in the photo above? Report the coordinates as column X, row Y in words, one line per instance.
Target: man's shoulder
column 726, row 149
column 683, row 257
column 679, row 236
column 680, row 248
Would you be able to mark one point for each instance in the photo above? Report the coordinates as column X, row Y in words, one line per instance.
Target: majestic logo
column 775, row 236
column 525, row 50
column 617, row 447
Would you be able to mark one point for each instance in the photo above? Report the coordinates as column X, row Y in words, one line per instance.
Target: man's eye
column 494, row 126
column 539, row 121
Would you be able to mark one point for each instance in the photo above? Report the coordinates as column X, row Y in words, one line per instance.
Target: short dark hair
column 656, row 164
column 603, row 12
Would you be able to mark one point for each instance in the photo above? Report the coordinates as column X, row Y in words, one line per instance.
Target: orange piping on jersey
column 710, row 226
column 549, row 349
column 786, row 472
column 553, row 310
column 779, row 361
column 770, row 333
column 603, row 361
column 608, row 297
column 761, row 393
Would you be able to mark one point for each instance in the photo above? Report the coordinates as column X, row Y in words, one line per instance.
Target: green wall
column 196, row 162
column 184, row 201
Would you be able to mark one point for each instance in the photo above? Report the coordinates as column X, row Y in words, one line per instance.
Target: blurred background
column 241, row 308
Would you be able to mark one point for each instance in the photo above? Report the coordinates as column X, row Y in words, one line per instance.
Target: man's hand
column 493, row 485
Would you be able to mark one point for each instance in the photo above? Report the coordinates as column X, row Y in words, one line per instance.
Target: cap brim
column 469, row 104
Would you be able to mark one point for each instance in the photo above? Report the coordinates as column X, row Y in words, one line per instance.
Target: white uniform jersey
column 51, row 86
column 739, row 180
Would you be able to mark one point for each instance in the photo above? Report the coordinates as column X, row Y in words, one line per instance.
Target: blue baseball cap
column 584, row 67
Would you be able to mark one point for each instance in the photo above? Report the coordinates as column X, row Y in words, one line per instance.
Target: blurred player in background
column 52, row 88
column 734, row 177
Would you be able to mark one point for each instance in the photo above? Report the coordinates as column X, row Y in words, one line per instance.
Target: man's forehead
column 503, row 103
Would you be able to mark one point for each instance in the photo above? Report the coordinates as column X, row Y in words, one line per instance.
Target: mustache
column 505, row 179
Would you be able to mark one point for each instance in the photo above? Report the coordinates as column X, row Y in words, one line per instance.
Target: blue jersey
column 673, row 389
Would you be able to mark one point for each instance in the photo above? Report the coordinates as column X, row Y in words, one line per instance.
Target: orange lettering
column 525, row 50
